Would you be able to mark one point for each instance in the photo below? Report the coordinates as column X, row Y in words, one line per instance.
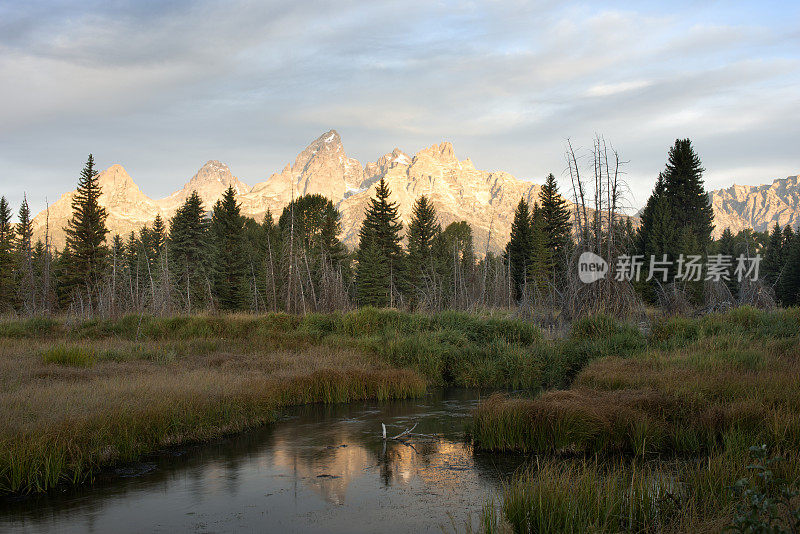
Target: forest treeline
column 213, row 258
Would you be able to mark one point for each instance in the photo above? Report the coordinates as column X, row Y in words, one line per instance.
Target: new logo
column 591, row 267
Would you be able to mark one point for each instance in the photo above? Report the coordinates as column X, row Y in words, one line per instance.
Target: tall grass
column 120, row 422
column 76, row 396
column 447, row 348
column 625, row 496
column 660, row 430
column 691, row 384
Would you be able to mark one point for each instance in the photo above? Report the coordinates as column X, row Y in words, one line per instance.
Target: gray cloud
column 163, row 86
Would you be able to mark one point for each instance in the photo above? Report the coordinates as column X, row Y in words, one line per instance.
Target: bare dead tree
column 610, row 294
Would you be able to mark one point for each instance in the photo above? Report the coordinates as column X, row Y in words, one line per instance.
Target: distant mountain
column 323, row 168
column 210, row 182
column 485, row 199
column 128, row 208
column 757, row 207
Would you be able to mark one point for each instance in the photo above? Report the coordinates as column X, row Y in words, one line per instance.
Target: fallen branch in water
column 406, row 431
column 401, row 434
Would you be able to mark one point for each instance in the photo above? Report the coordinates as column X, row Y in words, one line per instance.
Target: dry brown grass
column 62, row 421
column 685, row 400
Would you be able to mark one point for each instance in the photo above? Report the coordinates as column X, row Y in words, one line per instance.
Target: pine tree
column 519, row 248
column 423, row 231
column 265, row 250
column 229, row 266
column 455, row 251
column 689, row 202
column 789, row 283
column 379, row 250
column 147, row 247
column 373, row 275
column 316, row 226
column 189, row 254
column 555, row 215
column 678, row 218
column 86, row 232
column 23, row 250
column 119, row 265
column 786, row 243
column 727, row 246
column 43, row 289
column 6, row 257
column 540, row 261
column 132, row 253
column 158, row 236
column 458, row 243
column 24, row 234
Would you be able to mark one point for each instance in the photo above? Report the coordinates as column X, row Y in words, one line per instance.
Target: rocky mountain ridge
column 758, row 207
column 486, row 200
column 460, row 192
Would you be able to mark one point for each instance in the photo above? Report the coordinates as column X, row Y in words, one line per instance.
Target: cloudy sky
column 163, row 86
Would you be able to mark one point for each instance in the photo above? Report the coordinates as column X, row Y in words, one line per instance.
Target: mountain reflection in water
column 321, row 469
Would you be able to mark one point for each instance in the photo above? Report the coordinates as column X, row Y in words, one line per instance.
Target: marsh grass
column 74, row 355
column 697, row 394
column 77, row 396
column 587, row 495
column 687, row 390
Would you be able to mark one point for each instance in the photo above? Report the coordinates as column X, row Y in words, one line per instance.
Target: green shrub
column 73, row 355
column 765, row 502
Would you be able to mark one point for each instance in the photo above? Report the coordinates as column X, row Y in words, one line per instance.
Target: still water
column 320, row 469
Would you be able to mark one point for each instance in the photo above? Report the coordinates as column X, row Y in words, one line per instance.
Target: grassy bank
column 699, row 393
column 74, row 397
column 589, row 495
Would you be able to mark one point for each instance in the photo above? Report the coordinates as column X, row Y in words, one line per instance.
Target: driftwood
column 408, row 432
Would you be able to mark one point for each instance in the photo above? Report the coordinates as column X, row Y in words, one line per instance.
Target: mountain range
column 758, row 207
column 486, row 200
column 460, row 192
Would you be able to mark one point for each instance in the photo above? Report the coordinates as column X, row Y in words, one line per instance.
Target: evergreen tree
column 86, row 232
column 158, row 236
column 6, row 257
column 786, row 243
column 540, row 260
column 23, row 250
column 265, row 249
column 229, row 266
column 315, row 264
column 657, row 236
column 727, row 246
column 64, row 277
column 423, row 232
column 789, row 283
column 119, row 267
column 519, row 248
column 24, row 235
column 118, row 250
column 457, row 246
column 43, row 288
column 132, row 253
column 379, row 250
column 147, row 247
column 188, row 249
column 316, row 226
column 373, row 275
column 556, row 227
column 683, row 182
column 455, row 252
column 678, row 217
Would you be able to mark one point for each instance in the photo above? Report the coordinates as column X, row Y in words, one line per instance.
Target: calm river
column 320, row 469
